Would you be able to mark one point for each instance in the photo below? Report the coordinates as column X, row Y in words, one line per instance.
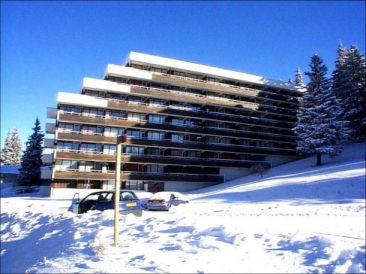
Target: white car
column 163, row 200
column 144, row 197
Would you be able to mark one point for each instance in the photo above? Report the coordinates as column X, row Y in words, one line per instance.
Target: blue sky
column 48, row 47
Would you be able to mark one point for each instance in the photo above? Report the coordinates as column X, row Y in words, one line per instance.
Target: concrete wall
column 184, row 186
column 233, row 173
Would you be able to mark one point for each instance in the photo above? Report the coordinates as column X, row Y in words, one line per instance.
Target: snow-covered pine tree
column 354, row 104
column 319, row 128
column 339, row 77
column 12, row 151
column 30, row 171
column 299, row 81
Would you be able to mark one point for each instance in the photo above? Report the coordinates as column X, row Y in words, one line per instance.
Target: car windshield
column 127, row 195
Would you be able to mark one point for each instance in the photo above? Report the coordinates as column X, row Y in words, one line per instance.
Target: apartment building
column 184, row 126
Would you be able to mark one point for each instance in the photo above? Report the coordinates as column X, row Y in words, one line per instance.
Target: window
column 64, row 165
column 92, row 148
column 153, row 151
column 109, row 149
column 65, row 127
column 93, row 112
column 90, row 130
column 213, row 140
column 135, row 150
column 71, row 109
column 177, row 138
column 134, row 134
column 135, row 100
column 115, row 114
column 134, row 116
column 113, row 131
column 154, row 169
column 156, row 102
column 157, row 119
column 178, row 106
column 155, row 135
column 225, row 141
column 94, row 93
column 176, row 153
column 66, row 146
column 189, row 123
column 193, row 153
column 86, row 166
column 177, row 122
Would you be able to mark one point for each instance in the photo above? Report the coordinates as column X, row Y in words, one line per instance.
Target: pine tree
column 319, row 128
column 11, row 153
column 339, row 77
column 354, row 101
column 30, row 171
column 299, row 81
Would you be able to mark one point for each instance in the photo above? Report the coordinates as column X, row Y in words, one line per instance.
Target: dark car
column 103, row 200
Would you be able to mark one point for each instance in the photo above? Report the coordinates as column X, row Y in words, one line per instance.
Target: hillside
column 298, row 219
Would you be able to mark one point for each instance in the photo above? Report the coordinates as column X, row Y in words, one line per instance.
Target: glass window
column 87, row 129
column 134, row 134
column 135, row 100
column 93, row 148
column 86, row 166
column 70, row 108
column 113, row 131
column 177, row 122
column 134, row 116
column 109, row 149
column 193, row 153
column 156, row 102
column 93, row 112
column 157, row 119
column 154, row 169
column 65, row 165
column 178, row 138
column 115, row 114
column 155, row 135
column 66, row 146
column 225, row 141
column 134, row 150
column 65, row 127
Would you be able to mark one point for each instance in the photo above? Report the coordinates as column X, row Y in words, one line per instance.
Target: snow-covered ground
column 298, row 219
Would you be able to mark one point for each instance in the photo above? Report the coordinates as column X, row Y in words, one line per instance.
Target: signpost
column 117, row 189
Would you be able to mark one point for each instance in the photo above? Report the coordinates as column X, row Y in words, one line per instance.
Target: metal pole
column 117, row 192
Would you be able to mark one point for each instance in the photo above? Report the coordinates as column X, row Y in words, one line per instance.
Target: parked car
column 103, row 200
column 163, row 200
column 144, row 197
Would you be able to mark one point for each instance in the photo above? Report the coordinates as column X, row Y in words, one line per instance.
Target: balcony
column 212, row 100
column 48, row 143
column 186, row 161
column 141, row 176
column 80, row 155
column 51, row 113
column 214, row 147
column 223, row 88
column 47, row 158
column 50, row 128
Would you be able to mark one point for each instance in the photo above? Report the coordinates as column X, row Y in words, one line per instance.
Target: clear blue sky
column 48, row 47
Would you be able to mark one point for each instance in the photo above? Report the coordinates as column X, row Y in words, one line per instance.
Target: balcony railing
column 253, row 91
column 78, row 174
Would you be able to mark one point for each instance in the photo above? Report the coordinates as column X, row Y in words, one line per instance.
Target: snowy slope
column 298, row 219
